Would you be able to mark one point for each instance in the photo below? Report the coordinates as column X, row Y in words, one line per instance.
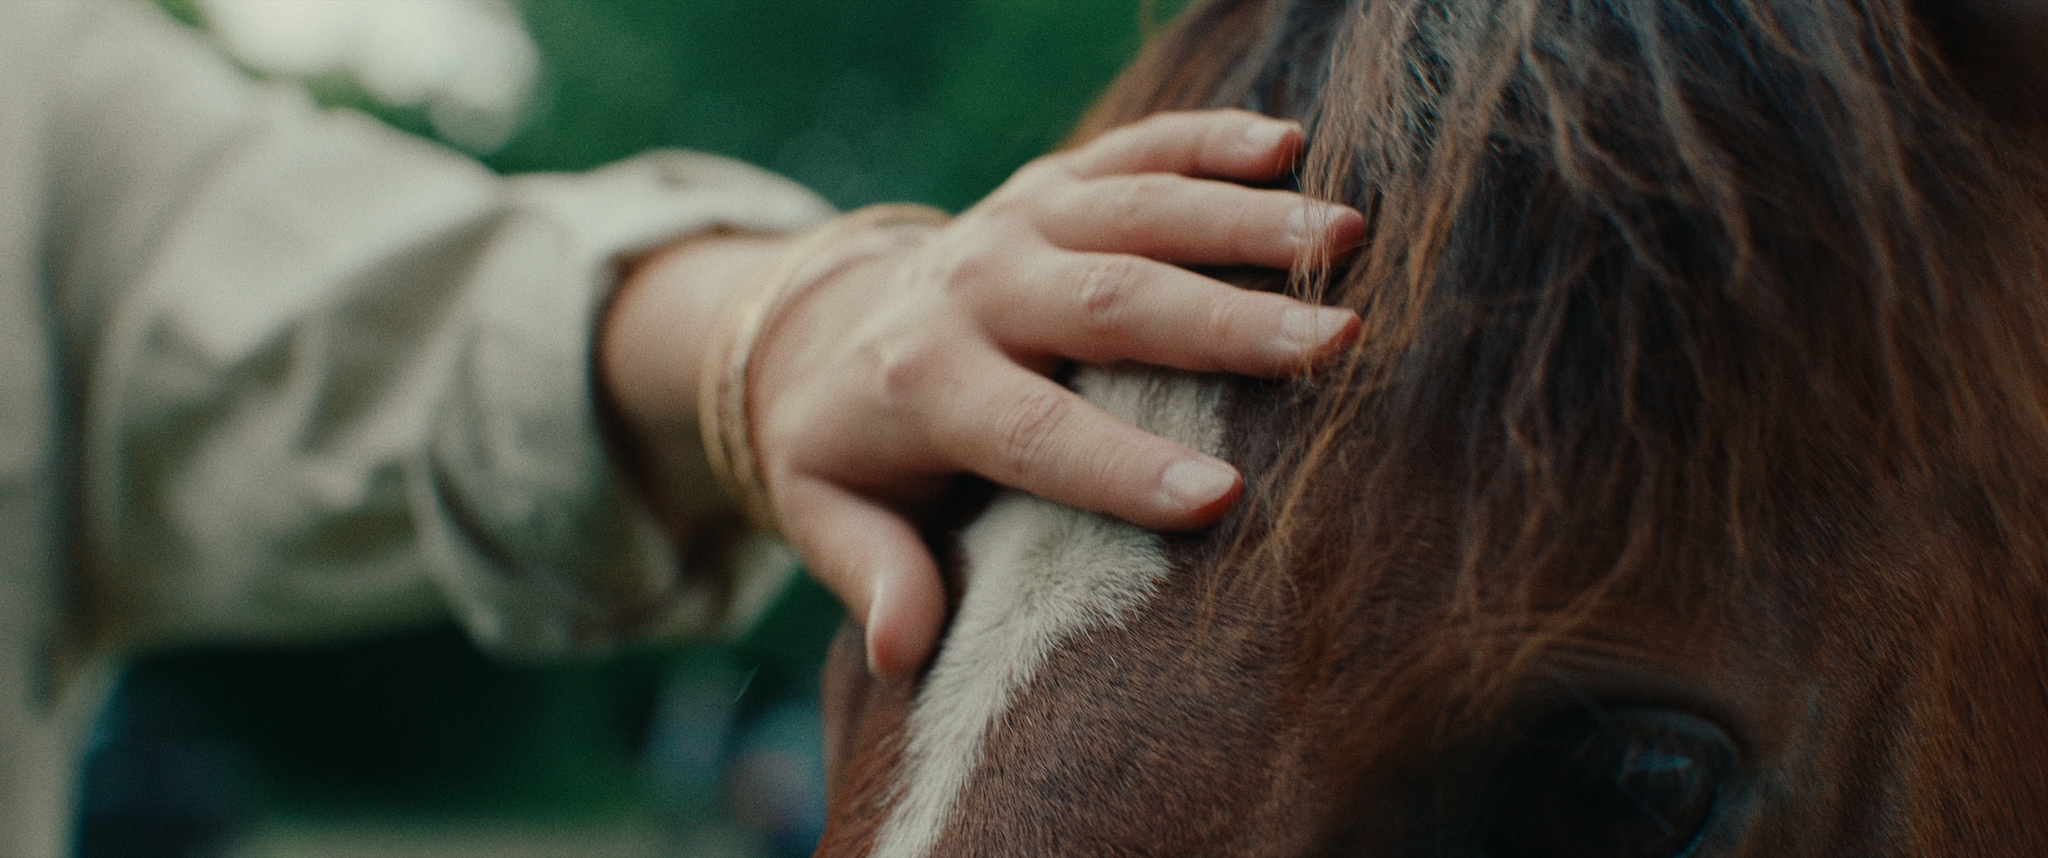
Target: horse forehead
column 1034, row 574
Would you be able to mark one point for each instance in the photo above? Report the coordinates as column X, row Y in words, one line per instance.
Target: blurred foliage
column 927, row 100
column 933, row 101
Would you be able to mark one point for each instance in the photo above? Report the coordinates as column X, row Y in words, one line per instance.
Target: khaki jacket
column 273, row 373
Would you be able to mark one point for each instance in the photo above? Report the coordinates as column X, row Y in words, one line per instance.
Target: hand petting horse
column 1685, row 495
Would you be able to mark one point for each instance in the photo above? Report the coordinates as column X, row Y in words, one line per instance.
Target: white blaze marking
column 1036, row 573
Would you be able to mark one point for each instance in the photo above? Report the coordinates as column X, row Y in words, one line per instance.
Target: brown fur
column 864, row 718
column 1703, row 369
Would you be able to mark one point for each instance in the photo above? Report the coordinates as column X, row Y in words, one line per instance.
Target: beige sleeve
column 327, row 376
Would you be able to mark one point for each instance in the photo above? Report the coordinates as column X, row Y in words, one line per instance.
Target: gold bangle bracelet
column 722, row 409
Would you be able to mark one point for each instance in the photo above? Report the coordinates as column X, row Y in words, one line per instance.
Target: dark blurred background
column 414, row 743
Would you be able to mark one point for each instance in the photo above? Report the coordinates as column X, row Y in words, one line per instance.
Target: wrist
column 724, row 391
column 648, row 354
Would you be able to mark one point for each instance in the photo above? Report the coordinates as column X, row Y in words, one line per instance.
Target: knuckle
column 1134, row 199
column 1044, row 168
column 1029, row 427
column 1126, row 201
column 1117, row 472
column 906, row 369
column 1025, row 193
column 1226, row 317
column 1124, row 135
column 1015, row 197
column 1165, row 121
column 1106, row 293
column 965, row 270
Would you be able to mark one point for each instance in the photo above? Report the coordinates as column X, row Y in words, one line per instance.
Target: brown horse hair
column 1657, row 294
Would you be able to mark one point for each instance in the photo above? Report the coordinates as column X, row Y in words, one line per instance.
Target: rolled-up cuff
column 546, row 548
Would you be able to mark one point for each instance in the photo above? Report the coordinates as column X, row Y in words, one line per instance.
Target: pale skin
column 900, row 370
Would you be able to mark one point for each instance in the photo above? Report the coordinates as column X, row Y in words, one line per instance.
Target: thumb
column 877, row 564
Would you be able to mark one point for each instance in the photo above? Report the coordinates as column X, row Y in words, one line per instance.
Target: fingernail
column 1263, row 137
column 1196, row 483
column 1309, row 328
column 1298, row 231
column 1311, row 221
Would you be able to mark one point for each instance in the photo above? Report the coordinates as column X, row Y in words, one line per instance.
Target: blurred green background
column 414, row 741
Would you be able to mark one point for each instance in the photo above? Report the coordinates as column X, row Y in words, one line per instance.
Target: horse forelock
column 1736, row 305
column 1644, row 283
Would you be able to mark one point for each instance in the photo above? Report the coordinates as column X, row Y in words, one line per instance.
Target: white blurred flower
column 471, row 63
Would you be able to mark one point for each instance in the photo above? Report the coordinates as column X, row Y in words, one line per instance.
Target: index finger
column 1225, row 144
column 1021, row 429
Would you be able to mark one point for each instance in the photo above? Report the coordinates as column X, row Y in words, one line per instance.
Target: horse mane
column 1655, row 291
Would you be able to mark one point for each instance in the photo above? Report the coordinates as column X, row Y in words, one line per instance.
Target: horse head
column 1687, row 493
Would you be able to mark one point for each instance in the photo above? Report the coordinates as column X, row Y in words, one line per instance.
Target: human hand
column 869, row 389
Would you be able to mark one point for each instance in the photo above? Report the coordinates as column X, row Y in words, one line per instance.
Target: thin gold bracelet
column 722, row 411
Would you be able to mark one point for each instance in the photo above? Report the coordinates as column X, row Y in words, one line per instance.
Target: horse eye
column 1638, row 783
